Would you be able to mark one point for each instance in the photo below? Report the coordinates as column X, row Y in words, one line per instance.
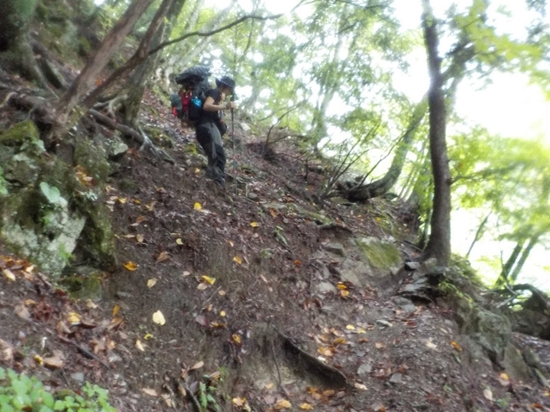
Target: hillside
column 123, row 266
column 266, row 298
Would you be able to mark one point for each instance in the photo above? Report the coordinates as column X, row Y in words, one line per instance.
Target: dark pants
column 210, row 139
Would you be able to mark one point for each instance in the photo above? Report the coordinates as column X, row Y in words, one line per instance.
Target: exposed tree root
column 138, row 136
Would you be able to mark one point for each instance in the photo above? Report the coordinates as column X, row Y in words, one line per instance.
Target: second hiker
column 210, row 127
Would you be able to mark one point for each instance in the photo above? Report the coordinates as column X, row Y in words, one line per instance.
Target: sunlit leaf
column 115, row 310
column 147, row 336
column 158, row 318
column 73, row 318
column 342, row 286
column 222, row 313
column 238, row 259
column 208, row 279
column 254, row 224
column 38, row 359
column 236, row 338
column 488, row 394
column 197, row 365
column 344, row 293
column 131, row 266
column 283, row 404
column 456, row 346
column 139, row 345
column 197, row 206
column 151, row 282
column 179, row 241
column 350, row 327
column 306, row 406
column 8, row 274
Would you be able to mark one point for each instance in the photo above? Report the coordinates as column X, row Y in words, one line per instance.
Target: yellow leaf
column 342, row 286
column 139, row 345
column 208, row 279
column 151, row 282
column 283, row 404
column 456, row 346
column 254, row 224
column 158, row 318
column 344, row 293
column 350, row 327
column 115, row 310
column 306, row 406
column 179, row 241
column 238, row 402
column 222, row 313
column 147, row 336
column 73, row 318
column 131, row 266
column 238, row 259
column 38, row 360
column 136, row 201
column 9, row 274
column 339, row 341
column 197, row 206
column 29, row 302
column 236, row 338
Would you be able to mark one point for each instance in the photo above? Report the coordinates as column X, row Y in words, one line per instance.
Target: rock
column 380, row 254
column 396, row 378
column 78, row 376
column 364, row 370
column 245, row 127
column 325, row 287
column 336, row 248
column 252, row 196
column 412, row 265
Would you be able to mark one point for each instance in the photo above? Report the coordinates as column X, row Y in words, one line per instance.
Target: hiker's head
column 226, row 85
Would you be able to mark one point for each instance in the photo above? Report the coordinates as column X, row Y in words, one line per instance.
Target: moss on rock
column 379, row 253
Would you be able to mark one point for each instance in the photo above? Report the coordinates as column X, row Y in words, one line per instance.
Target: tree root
column 330, row 376
column 138, row 136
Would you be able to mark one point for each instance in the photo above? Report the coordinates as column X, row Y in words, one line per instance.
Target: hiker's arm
column 209, row 105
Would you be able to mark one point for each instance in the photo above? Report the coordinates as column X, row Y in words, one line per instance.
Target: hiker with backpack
column 209, row 127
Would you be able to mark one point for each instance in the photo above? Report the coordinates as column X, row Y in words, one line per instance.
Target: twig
column 84, row 351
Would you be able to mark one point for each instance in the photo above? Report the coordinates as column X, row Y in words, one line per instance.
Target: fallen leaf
column 179, row 241
column 504, row 379
column 350, row 327
column 222, row 313
column 236, row 338
column 431, row 345
column 147, row 336
column 186, row 273
column 38, row 359
column 139, row 238
column 238, row 401
column 238, row 259
column 342, row 286
column 8, row 274
column 131, row 266
column 456, row 346
column 344, row 293
column 73, row 318
column 150, row 392
column 158, row 318
column 360, row 386
column 54, row 362
column 162, row 257
column 197, row 365
column 297, row 262
column 380, row 345
column 151, row 282
column 139, row 345
column 306, row 406
column 254, row 224
column 29, row 302
column 222, row 293
column 197, row 206
column 116, row 310
column 283, row 404
column 339, row 341
column 208, row 279
column 6, row 351
column 488, row 394
column 202, row 286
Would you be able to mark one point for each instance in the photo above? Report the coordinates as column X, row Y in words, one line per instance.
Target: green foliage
column 24, row 393
column 53, row 194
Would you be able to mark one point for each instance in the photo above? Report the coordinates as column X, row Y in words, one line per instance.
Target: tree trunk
column 523, row 258
column 90, row 73
column 439, row 244
column 479, row 233
column 16, row 55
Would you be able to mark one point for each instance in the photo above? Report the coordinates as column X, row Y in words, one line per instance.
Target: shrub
column 24, row 393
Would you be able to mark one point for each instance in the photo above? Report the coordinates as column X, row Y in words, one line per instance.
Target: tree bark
column 439, row 243
column 90, row 73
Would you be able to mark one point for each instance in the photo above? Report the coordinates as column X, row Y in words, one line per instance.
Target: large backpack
column 187, row 104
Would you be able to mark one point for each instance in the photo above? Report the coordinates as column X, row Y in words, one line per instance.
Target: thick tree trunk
column 137, row 82
column 90, row 73
column 439, row 244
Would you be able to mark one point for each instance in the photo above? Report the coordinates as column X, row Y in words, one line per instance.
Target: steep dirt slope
column 251, row 298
